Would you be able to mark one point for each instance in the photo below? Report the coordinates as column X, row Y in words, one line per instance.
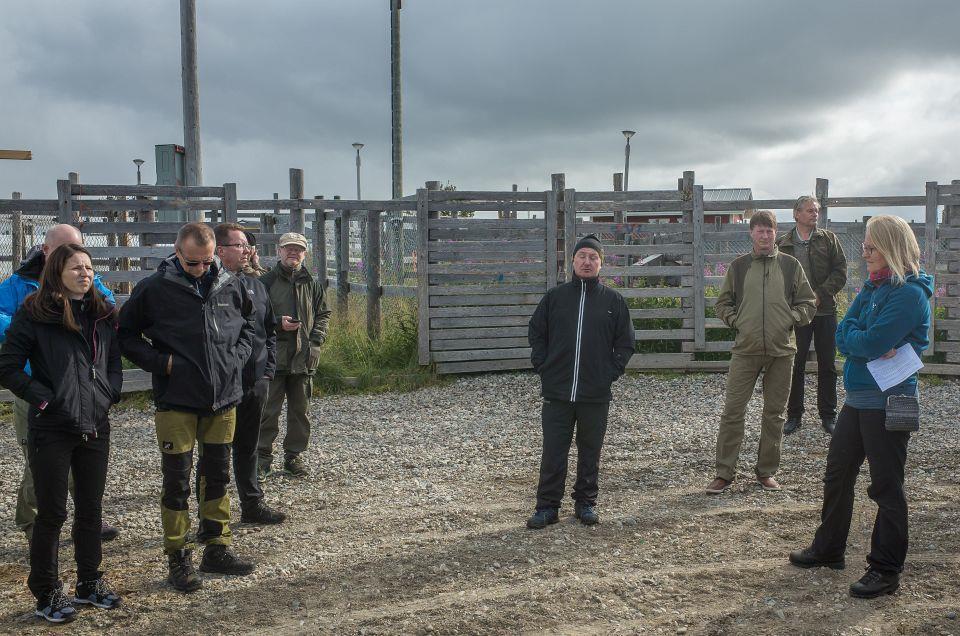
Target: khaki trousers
column 741, row 380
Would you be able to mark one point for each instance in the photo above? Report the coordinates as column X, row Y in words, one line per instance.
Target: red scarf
column 881, row 276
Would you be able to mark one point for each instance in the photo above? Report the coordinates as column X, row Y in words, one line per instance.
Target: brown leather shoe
column 769, row 483
column 718, row 485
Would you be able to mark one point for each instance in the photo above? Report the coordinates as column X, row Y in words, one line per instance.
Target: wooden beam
column 16, row 155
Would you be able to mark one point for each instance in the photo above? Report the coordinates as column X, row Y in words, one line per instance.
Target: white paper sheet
column 892, row 371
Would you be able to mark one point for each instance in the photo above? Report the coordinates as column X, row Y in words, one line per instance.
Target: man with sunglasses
column 191, row 325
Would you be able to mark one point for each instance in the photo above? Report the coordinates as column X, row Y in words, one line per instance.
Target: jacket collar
column 32, row 265
column 773, row 254
column 787, row 238
column 591, row 283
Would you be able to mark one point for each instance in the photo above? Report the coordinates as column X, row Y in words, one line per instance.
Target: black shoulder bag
column 903, row 413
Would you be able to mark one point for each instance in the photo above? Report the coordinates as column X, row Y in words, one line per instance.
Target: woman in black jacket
column 67, row 331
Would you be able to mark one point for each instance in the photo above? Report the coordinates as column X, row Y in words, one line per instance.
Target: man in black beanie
column 581, row 338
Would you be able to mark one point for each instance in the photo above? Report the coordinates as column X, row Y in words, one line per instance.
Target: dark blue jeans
column 559, row 419
column 52, row 455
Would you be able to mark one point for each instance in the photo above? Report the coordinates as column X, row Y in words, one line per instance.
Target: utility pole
column 193, row 158
column 395, row 101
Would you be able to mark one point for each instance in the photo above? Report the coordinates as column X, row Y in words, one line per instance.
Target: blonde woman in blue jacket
column 891, row 310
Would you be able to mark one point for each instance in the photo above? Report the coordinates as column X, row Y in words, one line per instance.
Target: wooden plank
column 946, row 346
column 649, row 314
column 489, row 278
column 479, row 321
column 505, row 310
column 711, row 346
column 372, row 267
column 952, row 189
column 636, row 230
column 699, row 332
column 479, row 233
column 948, row 232
column 632, row 206
column 230, row 202
column 632, row 195
column 822, row 193
column 483, row 268
column 131, row 252
column 480, row 332
column 423, row 287
column 481, row 299
column 569, row 230
column 659, row 360
column 550, row 227
column 740, row 206
column 175, row 191
column 487, row 256
column 489, row 206
column 479, row 343
column 320, row 246
column 402, row 291
column 460, row 290
column 483, row 365
column 490, row 224
column 664, row 334
column 64, row 202
column 116, row 227
column 334, row 206
column 648, row 270
column 875, row 202
column 297, row 222
column 28, row 205
column 90, row 206
column 480, row 354
column 358, row 288
column 131, row 276
column 679, row 249
column 930, row 249
column 504, row 195
column 940, row 369
column 486, row 246
column 945, row 324
column 656, row 292
column 17, row 155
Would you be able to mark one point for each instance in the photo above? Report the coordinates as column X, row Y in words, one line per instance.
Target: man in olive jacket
column 299, row 302
column 765, row 295
column 825, row 265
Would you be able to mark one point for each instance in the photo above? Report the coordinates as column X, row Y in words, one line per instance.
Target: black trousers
column 860, row 433
column 559, row 419
column 822, row 331
column 52, row 456
column 245, row 440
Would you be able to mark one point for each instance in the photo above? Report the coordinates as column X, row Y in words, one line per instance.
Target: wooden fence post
column 951, row 299
column 297, row 223
column 823, row 191
column 930, row 252
column 64, row 202
column 550, row 221
column 423, row 287
column 320, row 244
column 372, row 266
column 620, row 237
column 699, row 312
column 569, row 230
column 16, row 236
column 686, row 187
column 343, row 263
column 229, row 202
column 557, row 186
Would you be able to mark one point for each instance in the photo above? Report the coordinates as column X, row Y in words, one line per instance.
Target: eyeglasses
column 190, row 263
column 868, row 249
column 242, row 246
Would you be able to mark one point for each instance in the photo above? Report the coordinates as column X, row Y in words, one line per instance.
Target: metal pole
column 193, row 164
column 357, row 146
column 395, row 101
column 626, row 161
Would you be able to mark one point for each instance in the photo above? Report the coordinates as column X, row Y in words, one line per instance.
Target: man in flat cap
column 299, row 302
column 581, row 338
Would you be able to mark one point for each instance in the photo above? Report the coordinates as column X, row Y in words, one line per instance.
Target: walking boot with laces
column 875, row 583
column 182, row 575
column 54, row 606
column 217, row 559
column 96, row 593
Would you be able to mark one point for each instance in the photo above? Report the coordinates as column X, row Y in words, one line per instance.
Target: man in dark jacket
column 233, row 249
column 581, row 338
column 823, row 261
column 191, row 325
column 13, row 291
column 299, row 302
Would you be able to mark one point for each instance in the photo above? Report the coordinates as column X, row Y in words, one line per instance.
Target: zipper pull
column 93, row 373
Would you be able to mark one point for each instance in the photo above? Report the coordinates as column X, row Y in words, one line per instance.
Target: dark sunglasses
column 190, row 263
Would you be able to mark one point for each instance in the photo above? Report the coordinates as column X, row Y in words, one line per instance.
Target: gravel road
column 412, row 521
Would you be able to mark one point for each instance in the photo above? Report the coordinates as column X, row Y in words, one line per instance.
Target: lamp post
column 139, row 163
column 626, row 159
column 358, row 146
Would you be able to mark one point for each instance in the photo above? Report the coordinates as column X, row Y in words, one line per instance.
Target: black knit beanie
column 592, row 241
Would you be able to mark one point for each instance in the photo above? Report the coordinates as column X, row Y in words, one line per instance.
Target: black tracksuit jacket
column 210, row 338
column 78, row 375
column 581, row 338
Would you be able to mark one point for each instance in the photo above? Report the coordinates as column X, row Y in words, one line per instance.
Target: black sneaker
column 792, row 424
column 96, row 593
column 828, row 424
column 807, row 558
column 217, row 559
column 182, row 575
column 263, row 471
column 295, row 466
column 875, row 583
column 262, row 514
column 56, row 607
column 586, row 514
column 108, row 532
column 543, row 518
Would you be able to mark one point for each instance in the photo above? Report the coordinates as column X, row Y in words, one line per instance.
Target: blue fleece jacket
column 883, row 317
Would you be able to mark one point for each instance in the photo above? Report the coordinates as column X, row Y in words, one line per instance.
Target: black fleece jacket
column 581, row 337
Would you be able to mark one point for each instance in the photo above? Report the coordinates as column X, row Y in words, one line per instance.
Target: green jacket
column 298, row 295
column 764, row 298
column 828, row 266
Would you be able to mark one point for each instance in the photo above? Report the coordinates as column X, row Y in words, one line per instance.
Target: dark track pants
column 52, row 456
column 245, row 441
column 822, row 331
column 860, row 434
column 559, row 419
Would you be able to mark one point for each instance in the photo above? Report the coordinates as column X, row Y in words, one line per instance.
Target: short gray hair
column 804, row 200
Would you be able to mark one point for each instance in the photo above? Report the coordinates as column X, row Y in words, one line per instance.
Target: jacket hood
column 32, row 265
column 922, row 280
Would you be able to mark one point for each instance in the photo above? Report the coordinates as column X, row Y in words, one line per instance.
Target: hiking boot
column 718, row 485
column 586, row 514
column 828, row 424
column 182, row 575
column 792, row 424
column 55, row 606
column 96, row 593
column 875, row 583
column 543, row 518
column 769, row 484
column 807, row 558
column 263, row 471
column 217, row 559
column 295, row 466
column 261, row 514
column 108, row 532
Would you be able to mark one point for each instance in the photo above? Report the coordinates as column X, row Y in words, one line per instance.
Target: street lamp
column 139, row 163
column 358, row 146
column 626, row 161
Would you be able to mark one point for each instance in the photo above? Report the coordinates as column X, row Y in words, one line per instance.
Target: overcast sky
column 767, row 94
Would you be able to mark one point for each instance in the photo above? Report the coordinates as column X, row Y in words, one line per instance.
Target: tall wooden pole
column 395, row 102
column 193, row 162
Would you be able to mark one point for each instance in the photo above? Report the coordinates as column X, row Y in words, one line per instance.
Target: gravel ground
column 412, row 522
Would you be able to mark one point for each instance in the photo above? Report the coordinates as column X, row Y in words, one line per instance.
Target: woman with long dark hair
column 891, row 311
column 67, row 331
